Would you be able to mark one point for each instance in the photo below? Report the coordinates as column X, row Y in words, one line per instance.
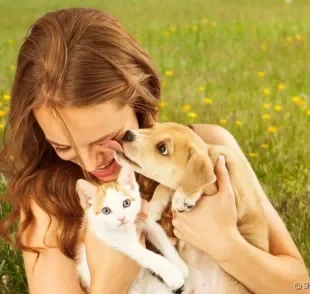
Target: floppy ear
column 86, row 191
column 199, row 172
column 127, row 177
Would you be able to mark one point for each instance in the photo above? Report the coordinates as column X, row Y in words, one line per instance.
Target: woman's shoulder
column 42, row 229
column 215, row 134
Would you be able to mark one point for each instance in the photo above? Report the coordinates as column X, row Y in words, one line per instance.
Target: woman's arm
column 276, row 272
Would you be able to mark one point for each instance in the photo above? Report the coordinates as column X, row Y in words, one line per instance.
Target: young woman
column 82, row 81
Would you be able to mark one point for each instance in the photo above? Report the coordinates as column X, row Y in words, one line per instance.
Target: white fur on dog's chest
column 205, row 276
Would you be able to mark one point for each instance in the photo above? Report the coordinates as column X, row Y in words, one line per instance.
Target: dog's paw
column 181, row 202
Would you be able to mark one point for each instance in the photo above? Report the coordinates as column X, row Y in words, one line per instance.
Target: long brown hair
column 71, row 57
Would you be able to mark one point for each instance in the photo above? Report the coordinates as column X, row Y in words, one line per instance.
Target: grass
column 241, row 64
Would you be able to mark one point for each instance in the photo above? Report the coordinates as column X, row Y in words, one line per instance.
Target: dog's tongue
column 113, row 145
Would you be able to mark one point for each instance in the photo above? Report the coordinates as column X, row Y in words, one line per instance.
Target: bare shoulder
column 61, row 277
column 281, row 242
column 215, row 134
column 43, row 227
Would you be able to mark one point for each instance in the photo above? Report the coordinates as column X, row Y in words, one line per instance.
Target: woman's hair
column 72, row 57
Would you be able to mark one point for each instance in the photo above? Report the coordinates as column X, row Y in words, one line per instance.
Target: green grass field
column 241, row 64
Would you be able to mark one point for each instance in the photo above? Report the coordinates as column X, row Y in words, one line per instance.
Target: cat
column 111, row 211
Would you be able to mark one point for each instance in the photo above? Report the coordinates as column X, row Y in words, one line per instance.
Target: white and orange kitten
column 110, row 213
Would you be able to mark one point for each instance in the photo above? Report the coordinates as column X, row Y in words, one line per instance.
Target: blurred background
column 240, row 64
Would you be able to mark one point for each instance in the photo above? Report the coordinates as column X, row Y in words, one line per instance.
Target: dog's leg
column 184, row 202
column 159, row 202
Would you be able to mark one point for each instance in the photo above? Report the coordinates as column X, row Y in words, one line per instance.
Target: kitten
column 110, row 214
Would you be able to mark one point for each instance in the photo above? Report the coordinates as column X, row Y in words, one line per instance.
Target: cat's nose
column 122, row 219
column 129, row 136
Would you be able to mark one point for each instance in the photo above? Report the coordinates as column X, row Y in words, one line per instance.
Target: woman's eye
column 62, row 149
column 162, row 149
column 105, row 210
column 126, row 203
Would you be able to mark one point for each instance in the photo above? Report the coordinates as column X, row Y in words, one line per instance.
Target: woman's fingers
column 222, row 175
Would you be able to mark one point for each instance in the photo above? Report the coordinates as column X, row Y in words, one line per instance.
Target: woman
column 82, row 81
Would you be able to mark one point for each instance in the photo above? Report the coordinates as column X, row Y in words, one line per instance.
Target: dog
column 183, row 164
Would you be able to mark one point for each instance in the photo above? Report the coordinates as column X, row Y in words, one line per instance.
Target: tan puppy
column 177, row 158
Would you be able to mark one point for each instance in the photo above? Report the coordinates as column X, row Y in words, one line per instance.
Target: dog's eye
column 126, row 203
column 106, row 210
column 162, row 149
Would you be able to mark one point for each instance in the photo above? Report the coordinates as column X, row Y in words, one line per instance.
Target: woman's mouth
column 107, row 171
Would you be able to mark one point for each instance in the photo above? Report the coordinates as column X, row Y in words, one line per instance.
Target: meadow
column 240, row 64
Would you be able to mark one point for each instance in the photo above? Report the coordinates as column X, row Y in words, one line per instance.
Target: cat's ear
column 127, row 177
column 86, row 191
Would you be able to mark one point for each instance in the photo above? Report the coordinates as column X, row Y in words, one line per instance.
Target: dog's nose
column 129, row 136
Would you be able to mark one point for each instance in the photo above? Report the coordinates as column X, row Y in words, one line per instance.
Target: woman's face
column 91, row 129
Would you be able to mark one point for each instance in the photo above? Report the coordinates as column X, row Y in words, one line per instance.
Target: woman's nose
column 89, row 160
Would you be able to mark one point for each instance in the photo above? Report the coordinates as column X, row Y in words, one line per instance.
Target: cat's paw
column 182, row 266
column 181, row 202
column 173, row 277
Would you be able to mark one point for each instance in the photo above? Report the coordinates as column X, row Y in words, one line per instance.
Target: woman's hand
column 212, row 224
column 111, row 271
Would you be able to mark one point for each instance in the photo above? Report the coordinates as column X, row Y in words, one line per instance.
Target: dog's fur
column 186, row 166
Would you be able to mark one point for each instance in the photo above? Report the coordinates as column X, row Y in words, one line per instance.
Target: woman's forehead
column 86, row 124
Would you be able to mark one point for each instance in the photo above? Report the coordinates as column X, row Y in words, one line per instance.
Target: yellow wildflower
column 296, row 99
column 298, row 37
column 266, row 116
column 261, row 74
column 163, row 104
column 253, row 154
column 214, row 24
column 264, row 146
column 164, row 84
column 2, row 113
column 6, row 97
column 281, row 87
column 278, row 107
column 263, row 47
column 272, row 129
column 192, row 114
column 12, row 67
column 195, row 28
column 207, row 101
column 266, row 105
column 266, row 91
column 10, row 41
column 1, row 126
column 289, row 39
column 166, row 34
column 201, row 88
column 239, row 123
column 169, row 73
column 223, row 121
column 186, row 108
column 308, row 112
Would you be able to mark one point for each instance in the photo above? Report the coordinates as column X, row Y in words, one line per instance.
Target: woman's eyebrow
column 110, row 135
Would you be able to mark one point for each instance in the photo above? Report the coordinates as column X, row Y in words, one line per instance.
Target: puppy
column 177, row 158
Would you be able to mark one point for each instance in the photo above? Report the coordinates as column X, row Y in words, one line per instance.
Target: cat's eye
column 162, row 149
column 105, row 210
column 126, row 203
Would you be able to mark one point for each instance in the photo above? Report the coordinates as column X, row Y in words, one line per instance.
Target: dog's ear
column 199, row 172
